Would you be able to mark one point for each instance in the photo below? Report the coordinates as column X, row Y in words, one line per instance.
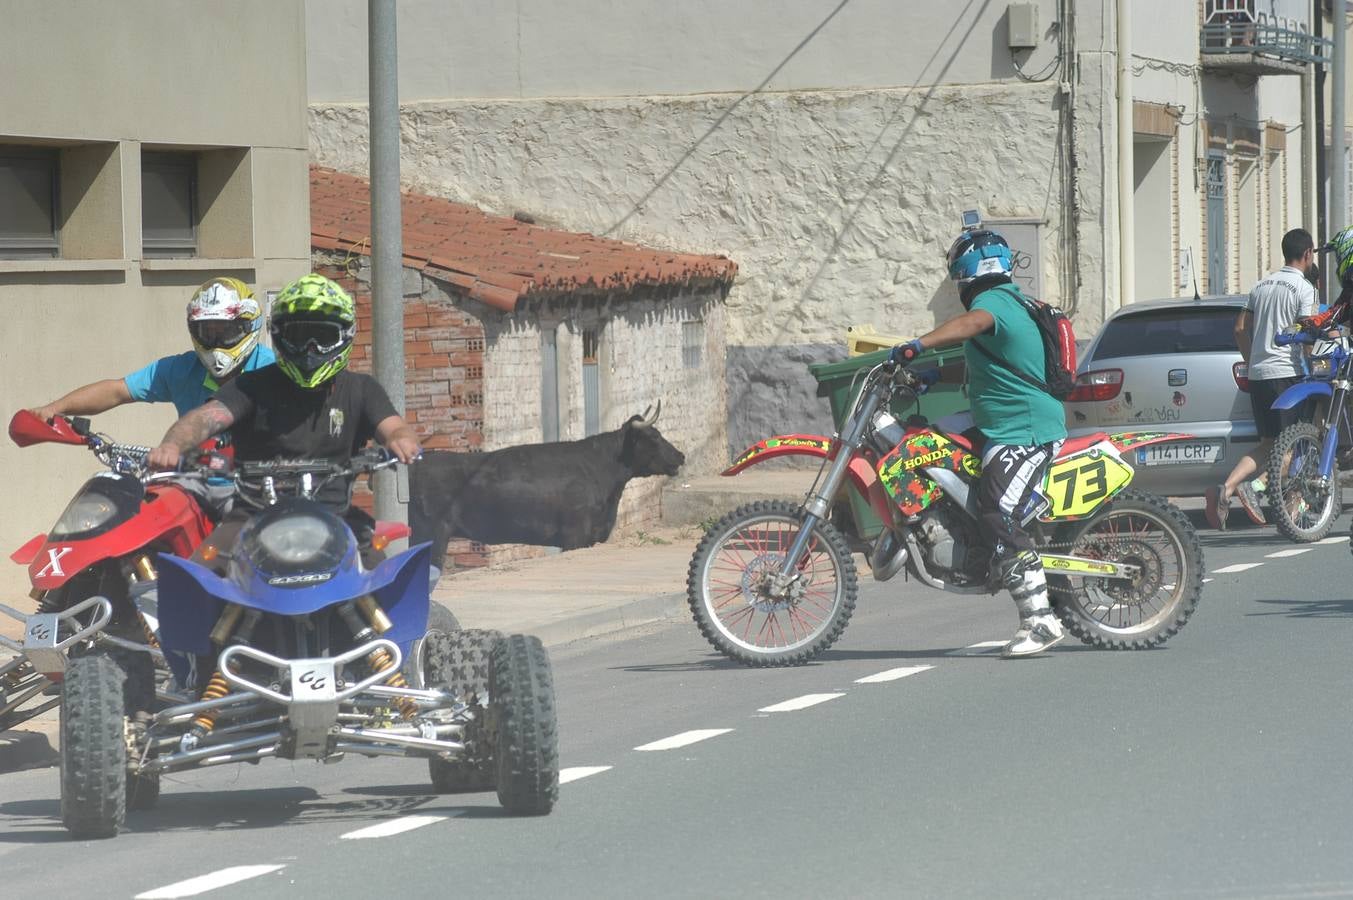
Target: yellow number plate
column 1078, row 485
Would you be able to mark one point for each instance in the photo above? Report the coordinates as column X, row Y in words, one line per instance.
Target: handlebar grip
column 79, row 425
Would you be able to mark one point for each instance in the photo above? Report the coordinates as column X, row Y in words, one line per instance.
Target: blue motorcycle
column 1303, row 478
column 299, row 652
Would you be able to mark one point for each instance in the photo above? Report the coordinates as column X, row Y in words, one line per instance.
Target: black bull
column 556, row 495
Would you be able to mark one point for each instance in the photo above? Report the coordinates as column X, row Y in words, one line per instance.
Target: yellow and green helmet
column 313, row 322
column 1342, row 245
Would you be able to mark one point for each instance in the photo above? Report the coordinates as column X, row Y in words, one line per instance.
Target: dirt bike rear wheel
column 1145, row 531
column 726, row 586
column 1303, row 509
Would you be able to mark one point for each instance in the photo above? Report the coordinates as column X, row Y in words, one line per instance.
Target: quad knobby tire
column 93, row 748
column 1073, row 598
column 459, row 661
column 706, row 598
column 1282, row 490
column 440, row 621
column 522, row 716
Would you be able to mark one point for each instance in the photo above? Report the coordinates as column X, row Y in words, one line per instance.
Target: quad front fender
column 861, row 473
column 1302, row 391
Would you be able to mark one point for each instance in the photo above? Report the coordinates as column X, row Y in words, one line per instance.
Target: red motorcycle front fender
column 861, row 473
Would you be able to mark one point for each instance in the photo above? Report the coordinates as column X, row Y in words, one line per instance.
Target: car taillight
column 1102, row 384
column 1241, row 373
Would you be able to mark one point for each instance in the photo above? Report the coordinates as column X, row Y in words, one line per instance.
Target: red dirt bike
column 774, row 584
column 93, row 574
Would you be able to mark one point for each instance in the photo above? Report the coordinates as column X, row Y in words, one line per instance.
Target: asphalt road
column 1216, row 766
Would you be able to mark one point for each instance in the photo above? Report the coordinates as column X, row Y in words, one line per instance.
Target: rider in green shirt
column 1023, row 425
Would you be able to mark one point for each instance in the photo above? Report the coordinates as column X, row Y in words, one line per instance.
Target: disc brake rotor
column 757, row 579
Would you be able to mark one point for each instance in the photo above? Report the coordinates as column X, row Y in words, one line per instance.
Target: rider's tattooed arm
column 209, row 419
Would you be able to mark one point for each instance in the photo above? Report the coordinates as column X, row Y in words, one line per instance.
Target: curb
column 631, row 614
column 21, row 750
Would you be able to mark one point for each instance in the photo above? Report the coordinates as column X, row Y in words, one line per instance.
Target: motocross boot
column 1039, row 628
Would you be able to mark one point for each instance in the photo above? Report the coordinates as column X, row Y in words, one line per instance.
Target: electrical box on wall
column 1022, row 23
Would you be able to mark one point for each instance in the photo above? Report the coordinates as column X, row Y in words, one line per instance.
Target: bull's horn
column 643, row 416
column 656, row 412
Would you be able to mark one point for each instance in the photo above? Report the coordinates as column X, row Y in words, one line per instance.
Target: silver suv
column 1169, row 365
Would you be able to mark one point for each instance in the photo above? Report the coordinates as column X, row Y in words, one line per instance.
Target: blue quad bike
column 299, row 652
column 1303, row 475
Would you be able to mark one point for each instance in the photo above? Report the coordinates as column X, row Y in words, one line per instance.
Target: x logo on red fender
column 53, row 566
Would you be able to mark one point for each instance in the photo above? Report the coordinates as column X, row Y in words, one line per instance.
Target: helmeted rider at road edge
column 1340, row 312
column 308, row 405
column 1024, row 426
column 224, row 321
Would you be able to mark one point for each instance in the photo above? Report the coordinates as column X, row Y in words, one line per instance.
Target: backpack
column 1059, row 347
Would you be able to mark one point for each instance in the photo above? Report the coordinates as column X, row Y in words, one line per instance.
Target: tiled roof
column 494, row 259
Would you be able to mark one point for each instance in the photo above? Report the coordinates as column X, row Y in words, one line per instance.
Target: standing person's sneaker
column 1249, row 501
column 1217, row 507
column 1036, row 634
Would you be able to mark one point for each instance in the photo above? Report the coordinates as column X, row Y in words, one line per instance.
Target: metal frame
column 42, row 644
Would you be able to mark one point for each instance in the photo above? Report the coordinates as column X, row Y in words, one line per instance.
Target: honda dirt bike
column 774, row 584
column 299, row 652
column 94, row 574
column 1303, row 472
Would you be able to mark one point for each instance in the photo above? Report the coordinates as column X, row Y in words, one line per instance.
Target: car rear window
column 1162, row 331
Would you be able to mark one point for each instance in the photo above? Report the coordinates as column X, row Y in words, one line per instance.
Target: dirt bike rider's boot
column 1022, row 575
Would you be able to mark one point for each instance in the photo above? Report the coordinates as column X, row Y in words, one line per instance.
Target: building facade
column 145, row 146
column 830, row 147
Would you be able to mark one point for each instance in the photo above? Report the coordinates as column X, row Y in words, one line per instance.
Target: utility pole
column 1339, row 175
column 387, row 240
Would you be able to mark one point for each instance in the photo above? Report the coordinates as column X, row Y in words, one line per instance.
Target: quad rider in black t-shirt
column 306, row 406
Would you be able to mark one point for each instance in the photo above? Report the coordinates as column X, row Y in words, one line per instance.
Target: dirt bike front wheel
column 1144, row 531
column 730, row 586
column 1304, row 504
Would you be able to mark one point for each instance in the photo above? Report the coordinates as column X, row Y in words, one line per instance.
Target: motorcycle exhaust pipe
column 888, row 556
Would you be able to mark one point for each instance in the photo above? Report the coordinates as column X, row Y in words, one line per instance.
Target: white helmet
column 224, row 320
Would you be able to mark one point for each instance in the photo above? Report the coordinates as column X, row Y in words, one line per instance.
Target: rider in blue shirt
column 224, row 321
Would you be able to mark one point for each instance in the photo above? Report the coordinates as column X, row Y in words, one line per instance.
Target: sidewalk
column 562, row 597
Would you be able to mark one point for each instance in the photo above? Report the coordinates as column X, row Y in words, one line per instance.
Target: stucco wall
column 607, row 48
column 837, row 205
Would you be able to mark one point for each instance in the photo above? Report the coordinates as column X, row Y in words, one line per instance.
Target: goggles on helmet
column 299, row 336
column 221, row 334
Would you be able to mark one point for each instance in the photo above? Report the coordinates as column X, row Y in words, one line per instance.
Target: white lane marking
column 1206, row 580
column 394, row 826
column 891, row 674
column 576, row 772
column 209, row 882
column 1238, row 567
column 684, row 739
column 1283, row 554
column 1333, row 540
column 985, row 644
column 803, row 702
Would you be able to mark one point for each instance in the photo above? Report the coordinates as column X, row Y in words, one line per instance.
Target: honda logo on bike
column 53, row 567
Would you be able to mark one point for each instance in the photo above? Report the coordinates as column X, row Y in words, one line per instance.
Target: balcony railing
column 1264, row 46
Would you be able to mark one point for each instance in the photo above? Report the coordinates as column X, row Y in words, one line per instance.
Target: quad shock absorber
column 235, row 626
column 143, row 572
column 376, row 624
